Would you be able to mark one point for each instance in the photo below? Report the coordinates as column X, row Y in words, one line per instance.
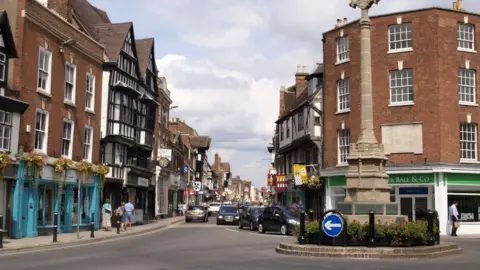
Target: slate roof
column 112, row 35
column 200, row 141
column 144, row 47
column 89, row 15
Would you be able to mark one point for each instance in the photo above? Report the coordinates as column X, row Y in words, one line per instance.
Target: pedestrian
column 121, row 215
column 185, row 207
column 107, row 215
column 299, row 205
column 180, row 209
column 129, row 208
column 454, row 218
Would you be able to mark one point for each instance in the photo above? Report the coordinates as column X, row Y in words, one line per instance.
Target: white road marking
column 268, row 235
column 231, row 230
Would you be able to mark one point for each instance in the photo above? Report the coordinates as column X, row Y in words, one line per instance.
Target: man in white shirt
column 454, row 217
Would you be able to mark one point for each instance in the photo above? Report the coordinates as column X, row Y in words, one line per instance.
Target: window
column 281, row 132
column 401, row 86
column 127, row 45
column 87, row 143
column 89, row 92
column 288, row 127
column 400, row 37
column 70, row 82
column 468, row 141
column 343, row 87
column 3, row 66
column 343, row 145
column 317, row 121
column 67, row 138
column 46, row 204
column 342, row 50
column 338, row 196
column 301, row 121
column 466, row 85
column 465, row 36
column 41, row 131
column 5, row 130
column 468, row 202
column 44, row 69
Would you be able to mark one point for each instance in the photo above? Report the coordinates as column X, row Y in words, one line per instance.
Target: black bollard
column 371, row 229
column 92, row 226
column 437, row 222
column 302, row 240
column 310, row 215
column 118, row 223
column 430, row 241
column 1, row 230
column 55, row 227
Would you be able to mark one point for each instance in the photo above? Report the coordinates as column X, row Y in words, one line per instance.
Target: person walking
column 454, row 217
column 121, row 215
column 129, row 210
column 180, row 209
column 107, row 215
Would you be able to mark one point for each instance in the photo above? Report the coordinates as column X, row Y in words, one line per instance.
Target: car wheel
column 284, row 230
column 251, row 226
column 240, row 226
column 260, row 228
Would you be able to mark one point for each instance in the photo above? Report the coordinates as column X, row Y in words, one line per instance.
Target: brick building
column 425, row 106
column 59, row 73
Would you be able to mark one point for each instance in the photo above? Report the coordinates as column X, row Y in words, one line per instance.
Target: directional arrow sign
column 332, row 225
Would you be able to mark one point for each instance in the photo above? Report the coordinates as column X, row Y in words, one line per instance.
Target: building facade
column 425, row 109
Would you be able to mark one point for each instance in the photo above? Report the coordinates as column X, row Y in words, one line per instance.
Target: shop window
column 338, row 196
column 46, row 205
column 468, row 205
column 83, row 207
column 392, row 195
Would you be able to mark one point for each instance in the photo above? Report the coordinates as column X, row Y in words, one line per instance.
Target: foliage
column 381, row 229
column 85, row 168
column 34, row 163
column 4, row 162
column 357, row 231
column 101, row 170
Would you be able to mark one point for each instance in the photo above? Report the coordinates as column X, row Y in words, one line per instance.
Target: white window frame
column 470, row 154
column 343, row 56
column 343, row 98
column 403, row 30
column 72, row 83
column 90, row 81
column 465, row 75
column 87, row 143
column 6, row 123
column 464, row 28
column 43, row 148
column 48, row 80
column 3, row 63
column 70, row 146
column 343, row 147
column 402, row 87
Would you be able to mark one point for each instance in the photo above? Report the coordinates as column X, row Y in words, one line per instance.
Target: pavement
column 203, row 246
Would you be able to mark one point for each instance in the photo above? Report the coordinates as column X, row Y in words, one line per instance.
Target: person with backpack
column 121, row 215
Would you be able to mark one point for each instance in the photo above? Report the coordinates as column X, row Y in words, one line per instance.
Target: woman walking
column 107, row 215
column 122, row 216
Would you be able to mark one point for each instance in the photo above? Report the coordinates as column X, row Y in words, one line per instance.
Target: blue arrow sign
column 332, row 225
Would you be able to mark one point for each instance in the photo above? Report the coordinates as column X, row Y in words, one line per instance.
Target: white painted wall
column 15, row 133
column 441, row 203
column 104, row 110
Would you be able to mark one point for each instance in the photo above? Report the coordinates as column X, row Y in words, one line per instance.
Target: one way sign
column 332, row 225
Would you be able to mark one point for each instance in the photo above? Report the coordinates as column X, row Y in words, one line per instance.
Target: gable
column 128, row 45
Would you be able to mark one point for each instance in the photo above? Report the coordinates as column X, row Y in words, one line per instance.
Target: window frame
column 345, row 52
column 89, row 143
column 401, row 103
column 465, row 86
column 4, row 63
column 345, row 95
column 3, row 126
column 48, row 80
column 72, row 132
column 45, row 132
column 301, row 119
column 474, row 142
column 460, row 41
column 340, row 133
column 90, row 81
column 392, row 42
column 72, row 83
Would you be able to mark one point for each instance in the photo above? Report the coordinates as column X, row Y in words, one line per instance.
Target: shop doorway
column 412, row 200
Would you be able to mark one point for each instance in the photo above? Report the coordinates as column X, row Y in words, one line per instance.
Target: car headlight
column 220, row 217
column 293, row 221
column 237, row 217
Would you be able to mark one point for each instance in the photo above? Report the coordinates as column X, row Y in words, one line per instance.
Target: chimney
column 339, row 23
column 301, row 80
column 282, row 101
column 62, row 7
column 458, row 5
column 345, row 21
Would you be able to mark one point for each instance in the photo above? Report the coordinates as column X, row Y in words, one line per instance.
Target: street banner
column 281, row 183
column 271, row 173
column 300, row 174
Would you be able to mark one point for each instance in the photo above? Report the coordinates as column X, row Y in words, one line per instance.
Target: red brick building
column 425, row 67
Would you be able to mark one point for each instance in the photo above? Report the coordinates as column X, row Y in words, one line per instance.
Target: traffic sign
column 332, row 225
column 197, row 186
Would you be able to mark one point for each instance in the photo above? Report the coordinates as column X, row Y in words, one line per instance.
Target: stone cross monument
column 367, row 181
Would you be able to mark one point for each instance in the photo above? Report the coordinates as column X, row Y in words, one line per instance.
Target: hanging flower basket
column 61, row 166
column 4, row 162
column 314, row 181
column 85, row 168
column 102, row 170
column 34, row 163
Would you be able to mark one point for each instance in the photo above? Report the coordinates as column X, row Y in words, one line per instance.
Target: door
column 406, row 207
column 419, row 203
column 277, row 219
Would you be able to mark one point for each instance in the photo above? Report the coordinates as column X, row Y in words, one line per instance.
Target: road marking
column 232, row 230
column 268, row 235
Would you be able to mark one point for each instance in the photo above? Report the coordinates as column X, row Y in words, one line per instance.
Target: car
column 196, row 212
column 249, row 217
column 278, row 219
column 228, row 214
column 213, row 208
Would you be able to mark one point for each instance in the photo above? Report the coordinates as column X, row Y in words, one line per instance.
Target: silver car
column 196, row 212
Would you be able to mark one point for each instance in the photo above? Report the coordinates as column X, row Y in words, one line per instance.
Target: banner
column 271, row 173
column 300, row 174
column 281, row 183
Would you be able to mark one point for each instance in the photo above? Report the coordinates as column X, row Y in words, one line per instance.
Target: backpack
column 119, row 211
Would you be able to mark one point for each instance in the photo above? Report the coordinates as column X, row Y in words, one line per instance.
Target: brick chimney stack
column 62, row 7
column 282, row 101
column 301, row 80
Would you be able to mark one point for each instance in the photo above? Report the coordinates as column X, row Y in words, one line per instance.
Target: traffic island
column 411, row 253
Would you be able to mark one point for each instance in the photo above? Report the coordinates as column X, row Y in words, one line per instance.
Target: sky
column 225, row 61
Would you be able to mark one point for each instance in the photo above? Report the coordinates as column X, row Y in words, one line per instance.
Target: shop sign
column 143, row 182
column 300, row 174
column 402, row 179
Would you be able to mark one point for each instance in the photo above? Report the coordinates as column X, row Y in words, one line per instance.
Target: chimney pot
column 299, row 67
column 345, row 21
column 282, row 88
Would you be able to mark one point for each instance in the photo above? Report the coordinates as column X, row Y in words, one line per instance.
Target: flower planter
column 331, row 241
column 382, row 242
column 356, row 242
column 313, row 238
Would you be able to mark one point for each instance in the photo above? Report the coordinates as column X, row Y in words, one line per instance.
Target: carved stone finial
column 363, row 4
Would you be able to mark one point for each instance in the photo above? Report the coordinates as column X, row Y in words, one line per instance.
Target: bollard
column 437, row 222
column 92, row 226
column 310, row 215
column 371, row 229
column 118, row 223
column 430, row 241
column 302, row 240
column 55, row 226
column 1, row 230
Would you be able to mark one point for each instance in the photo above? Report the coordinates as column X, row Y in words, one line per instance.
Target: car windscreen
column 257, row 211
column 228, row 210
column 196, row 207
column 291, row 212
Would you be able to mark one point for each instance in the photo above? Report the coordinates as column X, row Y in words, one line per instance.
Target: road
column 202, row 246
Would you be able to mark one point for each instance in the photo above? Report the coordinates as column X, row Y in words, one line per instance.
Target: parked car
column 196, row 212
column 228, row 214
column 249, row 217
column 278, row 219
column 213, row 208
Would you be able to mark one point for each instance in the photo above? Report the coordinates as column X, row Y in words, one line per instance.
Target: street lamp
column 173, row 107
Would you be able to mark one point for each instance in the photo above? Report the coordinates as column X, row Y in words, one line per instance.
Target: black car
column 278, row 219
column 228, row 214
column 249, row 217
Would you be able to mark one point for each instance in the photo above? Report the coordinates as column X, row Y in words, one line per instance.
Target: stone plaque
column 365, row 208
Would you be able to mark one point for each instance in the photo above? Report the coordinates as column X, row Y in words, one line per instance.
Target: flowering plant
column 4, row 162
column 34, row 163
column 102, row 170
column 63, row 164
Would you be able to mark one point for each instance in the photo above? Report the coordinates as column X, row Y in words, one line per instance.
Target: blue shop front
column 34, row 203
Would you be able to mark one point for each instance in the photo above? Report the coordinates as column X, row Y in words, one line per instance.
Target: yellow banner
column 300, row 174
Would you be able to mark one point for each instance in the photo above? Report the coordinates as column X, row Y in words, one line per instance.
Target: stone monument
column 367, row 181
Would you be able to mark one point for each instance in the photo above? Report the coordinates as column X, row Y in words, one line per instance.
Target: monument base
column 384, row 212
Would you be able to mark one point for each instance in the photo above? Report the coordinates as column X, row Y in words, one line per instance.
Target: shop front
column 137, row 191
column 161, row 192
column 173, row 188
column 35, row 202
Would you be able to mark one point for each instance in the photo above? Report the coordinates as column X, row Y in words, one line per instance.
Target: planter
column 356, row 242
column 331, row 241
column 313, row 238
column 382, row 242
